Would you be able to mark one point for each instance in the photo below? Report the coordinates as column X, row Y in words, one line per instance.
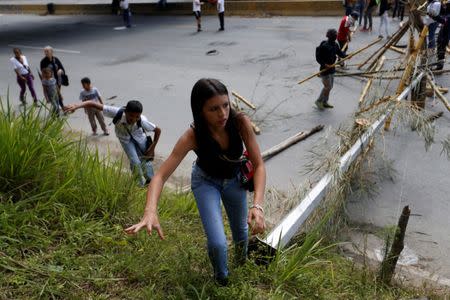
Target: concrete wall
column 235, row 7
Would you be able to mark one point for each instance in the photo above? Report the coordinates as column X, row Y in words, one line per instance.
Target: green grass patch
column 62, row 214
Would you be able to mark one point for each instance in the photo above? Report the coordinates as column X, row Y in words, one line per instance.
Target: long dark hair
column 203, row 90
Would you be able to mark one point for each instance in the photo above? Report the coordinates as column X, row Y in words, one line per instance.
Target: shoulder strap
column 118, row 116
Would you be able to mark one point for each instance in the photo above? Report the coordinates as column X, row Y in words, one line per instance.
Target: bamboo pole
column 406, row 77
column 289, row 142
column 375, row 104
column 369, row 83
column 245, row 101
column 255, row 127
column 398, row 50
column 438, row 93
column 344, row 59
column 380, row 51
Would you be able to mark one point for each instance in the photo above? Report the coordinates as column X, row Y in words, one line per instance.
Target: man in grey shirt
column 131, row 128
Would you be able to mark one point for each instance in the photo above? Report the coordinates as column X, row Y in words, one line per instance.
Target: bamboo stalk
column 438, row 93
column 344, row 59
column 289, row 142
column 256, row 129
column 369, row 83
column 406, row 77
column 380, row 51
column 398, row 50
column 376, row 103
column 245, row 101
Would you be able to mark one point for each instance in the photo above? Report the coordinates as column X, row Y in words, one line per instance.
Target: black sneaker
column 221, row 29
column 326, row 105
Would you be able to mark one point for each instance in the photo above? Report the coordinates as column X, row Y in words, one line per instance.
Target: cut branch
column 289, row 142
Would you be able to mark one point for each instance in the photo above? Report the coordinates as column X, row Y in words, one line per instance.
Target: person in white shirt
column 433, row 10
column 197, row 9
column 221, row 11
column 24, row 75
column 125, row 6
column 131, row 129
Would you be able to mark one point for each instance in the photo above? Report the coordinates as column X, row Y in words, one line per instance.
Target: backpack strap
column 118, row 115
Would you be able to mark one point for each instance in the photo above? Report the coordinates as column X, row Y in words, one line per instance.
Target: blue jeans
column 208, row 191
column 432, row 35
column 137, row 163
column 127, row 17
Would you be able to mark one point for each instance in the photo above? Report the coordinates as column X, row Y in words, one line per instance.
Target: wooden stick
column 289, row 142
column 438, row 72
column 398, row 50
column 369, row 83
column 380, row 51
column 344, row 59
column 256, row 129
column 245, row 101
column 434, row 116
column 438, row 93
column 390, row 260
column 376, row 103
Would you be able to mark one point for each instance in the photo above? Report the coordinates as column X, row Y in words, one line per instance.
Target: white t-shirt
column 220, row 6
column 122, row 126
column 124, row 4
column 22, row 68
column 196, row 5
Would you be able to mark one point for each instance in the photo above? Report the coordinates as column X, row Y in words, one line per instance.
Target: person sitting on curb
column 218, row 136
column 131, row 129
column 326, row 55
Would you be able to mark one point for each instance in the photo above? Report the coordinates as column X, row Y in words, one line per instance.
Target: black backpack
column 319, row 52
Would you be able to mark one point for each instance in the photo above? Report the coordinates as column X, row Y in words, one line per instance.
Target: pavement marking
column 120, row 28
column 42, row 48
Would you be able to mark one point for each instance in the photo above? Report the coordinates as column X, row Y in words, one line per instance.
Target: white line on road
column 42, row 48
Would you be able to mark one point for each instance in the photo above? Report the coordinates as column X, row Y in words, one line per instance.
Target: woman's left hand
column 256, row 221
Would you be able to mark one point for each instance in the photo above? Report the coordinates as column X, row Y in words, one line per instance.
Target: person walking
column 433, row 10
column 24, row 76
column 218, row 136
column 54, row 64
column 131, row 128
column 444, row 35
column 383, row 13
column 90, row 93
column 197, row 9
column 221, row 12
column 346, row 29
column 52, row 92
column 126, row 13
column 368, row 12
column 361, row 5
column 326, row 54
column 348, row 6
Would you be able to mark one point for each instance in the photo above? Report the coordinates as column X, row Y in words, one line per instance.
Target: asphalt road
column 159, row 60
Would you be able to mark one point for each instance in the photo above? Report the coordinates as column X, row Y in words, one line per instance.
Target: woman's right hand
column 150, row 222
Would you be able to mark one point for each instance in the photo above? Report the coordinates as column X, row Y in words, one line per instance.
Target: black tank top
column 215, row 161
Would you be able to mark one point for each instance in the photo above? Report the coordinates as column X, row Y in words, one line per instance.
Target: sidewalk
column 179, row 7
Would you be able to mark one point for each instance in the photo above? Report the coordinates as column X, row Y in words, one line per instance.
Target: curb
column 236, row 7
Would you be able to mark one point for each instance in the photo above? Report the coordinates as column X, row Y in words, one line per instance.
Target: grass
column 62, row 214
